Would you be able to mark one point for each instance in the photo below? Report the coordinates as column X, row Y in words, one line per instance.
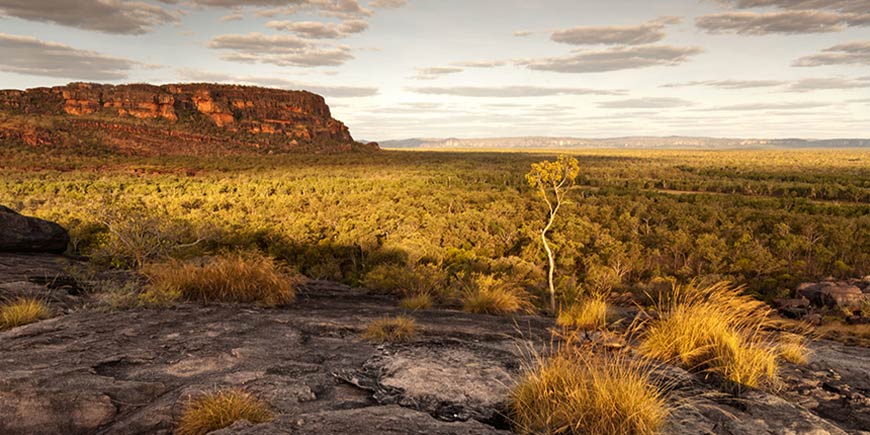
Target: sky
column 394, row 69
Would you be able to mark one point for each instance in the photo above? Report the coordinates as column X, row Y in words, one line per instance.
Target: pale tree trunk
column 550, row 258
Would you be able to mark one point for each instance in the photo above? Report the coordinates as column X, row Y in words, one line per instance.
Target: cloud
column 509, row 91
column 345, row 9
column 523, row 33
column 281, row 50
column 108, row 16
column 646, row 33
column 435, row 72
column 768, row 106
column 235, row 16
column 27, row 55
column 317, row 30
column 613, row 59
column 785, row 22
column 847, row 6
column 850, row 53
column 728, row 84
column 274, row 82
column 815, row 84
column 481, row 64
column 646, row 103
column 388, row 4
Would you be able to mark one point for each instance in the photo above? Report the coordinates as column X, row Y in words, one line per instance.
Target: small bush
column 574, row 394
column 22, row 312
column 587, row 314
column 391, row 330
column 714, row 329
column 487, row 294
column 419, row 302
column 218, row 410
column 243, row 278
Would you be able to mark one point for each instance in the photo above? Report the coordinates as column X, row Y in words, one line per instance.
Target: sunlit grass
column 391, row 330
column 713, row 329
column 236, row 277
column 218, row 410
column 586, row 314
column 582, row 394
column 22, row 312
column 418, row 302
column 490, row 295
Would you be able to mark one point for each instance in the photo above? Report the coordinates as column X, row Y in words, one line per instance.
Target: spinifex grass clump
column 417, row 302
column 237, row 277
column 391, row 330
column 22, row 312
column 488, row 294
column 586, row 314
column 218, row 410
column 580, row 394
column 714, row 329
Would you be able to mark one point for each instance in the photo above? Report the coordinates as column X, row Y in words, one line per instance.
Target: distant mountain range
column 637, row 142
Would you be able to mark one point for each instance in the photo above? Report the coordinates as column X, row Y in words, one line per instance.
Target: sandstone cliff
column 172, row 119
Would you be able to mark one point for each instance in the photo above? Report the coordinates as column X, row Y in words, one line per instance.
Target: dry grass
column 237, row 277
column 418, row 302
column 587, row 314
column 391, row 330
column 218, row 410
column 714, row 329
column 793, row 348
column 22, row 312
column 490, row 295
column 576, row 394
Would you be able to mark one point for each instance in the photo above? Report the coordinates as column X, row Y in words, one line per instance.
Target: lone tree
column 552, row 180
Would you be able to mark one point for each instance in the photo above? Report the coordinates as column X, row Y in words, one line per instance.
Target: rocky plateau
column 172, row 119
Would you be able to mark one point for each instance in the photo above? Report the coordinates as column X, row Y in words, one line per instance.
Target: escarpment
column 172, row 119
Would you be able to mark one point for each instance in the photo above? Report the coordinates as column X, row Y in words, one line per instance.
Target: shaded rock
column 28, row 234
column 793, row 308
column 832, row 294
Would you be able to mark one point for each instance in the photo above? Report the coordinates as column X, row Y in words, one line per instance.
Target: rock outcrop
column 28, row 234
column 836, row 294
column 241, row 118
column 132, row 371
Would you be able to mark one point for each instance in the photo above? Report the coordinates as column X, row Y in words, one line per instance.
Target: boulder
column 833, row 294
column 28, row 234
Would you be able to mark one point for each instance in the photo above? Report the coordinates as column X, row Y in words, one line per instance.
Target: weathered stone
column 28, row 234
column 832, row 294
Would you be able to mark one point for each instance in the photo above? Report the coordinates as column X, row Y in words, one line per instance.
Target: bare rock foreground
column 131, row 372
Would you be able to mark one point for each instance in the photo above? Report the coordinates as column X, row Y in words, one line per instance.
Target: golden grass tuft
column 598, row 394
column 391, row 330
column 236, row 277
column 793, row 348
column 418, row 302
column 218, row 410
column 22, row 312
column 490, row 295
column 587, row 314
column 714, row 329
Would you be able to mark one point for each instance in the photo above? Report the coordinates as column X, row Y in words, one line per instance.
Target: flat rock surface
column 131, row 372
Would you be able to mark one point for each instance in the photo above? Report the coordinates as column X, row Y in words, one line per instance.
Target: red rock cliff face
column 258, row 117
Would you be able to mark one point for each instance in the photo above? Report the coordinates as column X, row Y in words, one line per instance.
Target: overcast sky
column 395, row 69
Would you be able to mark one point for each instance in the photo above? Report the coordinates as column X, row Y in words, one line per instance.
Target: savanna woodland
column 572, row 292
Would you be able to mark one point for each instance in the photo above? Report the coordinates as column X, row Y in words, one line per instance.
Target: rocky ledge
column 147, row 119
column 92, row 371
